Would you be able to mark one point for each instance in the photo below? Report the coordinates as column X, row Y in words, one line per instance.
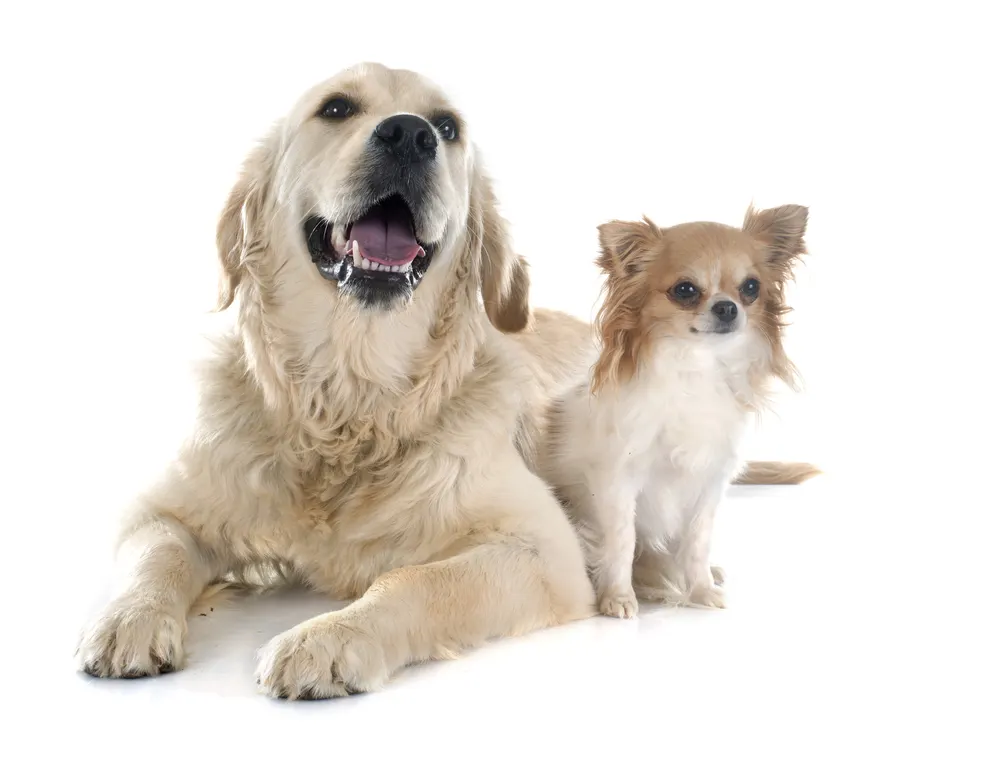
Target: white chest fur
column 642, row 465
column 686, row 412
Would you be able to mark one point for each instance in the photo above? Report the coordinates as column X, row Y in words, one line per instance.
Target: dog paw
column 718, row 575
column 708, row 596
column 320, row 659
column 131, row 641
column 619, row 604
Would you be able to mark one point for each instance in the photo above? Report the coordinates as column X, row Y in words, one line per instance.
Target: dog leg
column 417, row 613
column 141, row 632
column 522, row 570
column 703, row 579
column 612, row 554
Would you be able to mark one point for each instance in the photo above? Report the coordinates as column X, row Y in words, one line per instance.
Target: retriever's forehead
column 378, row 86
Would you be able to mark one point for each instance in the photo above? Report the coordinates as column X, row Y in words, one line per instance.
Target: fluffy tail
column 249, row 582
column 775, row 474
column 221, row 593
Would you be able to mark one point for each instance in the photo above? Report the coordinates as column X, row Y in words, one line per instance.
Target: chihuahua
column 690, row 332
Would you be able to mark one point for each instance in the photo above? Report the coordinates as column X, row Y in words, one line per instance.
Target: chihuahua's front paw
column 131, row 640
column 618, row 603
column 718, row 575
column 708, row 596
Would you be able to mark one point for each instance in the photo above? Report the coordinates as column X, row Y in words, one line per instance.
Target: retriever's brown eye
column 750, row 289
column 337, row 109
column 446, row 127
column 684, row 291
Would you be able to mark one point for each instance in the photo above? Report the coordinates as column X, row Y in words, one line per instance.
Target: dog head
column 706, row 282
column 369, row 188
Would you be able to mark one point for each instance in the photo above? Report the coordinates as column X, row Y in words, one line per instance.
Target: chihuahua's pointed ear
column 240, row 229
column 626, row 249
column 625, row 245
column 782, row 229
column 504, row 279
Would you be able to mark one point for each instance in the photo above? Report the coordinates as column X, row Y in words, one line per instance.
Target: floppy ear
column 503, row 275
column 625, row 245
column 240, row 229
column 783, row 230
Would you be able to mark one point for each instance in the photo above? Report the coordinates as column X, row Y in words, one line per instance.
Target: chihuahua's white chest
column 687, row 413
column 688, row 417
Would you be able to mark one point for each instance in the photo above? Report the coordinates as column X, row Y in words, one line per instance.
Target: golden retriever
column 367, row 426
column 358, row 428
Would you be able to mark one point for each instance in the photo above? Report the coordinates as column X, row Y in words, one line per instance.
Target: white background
column 862, row 602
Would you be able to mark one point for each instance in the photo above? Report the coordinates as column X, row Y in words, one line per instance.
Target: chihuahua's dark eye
column 750, row 289
column 337, row 109
column 684, row 291
column 446, row 127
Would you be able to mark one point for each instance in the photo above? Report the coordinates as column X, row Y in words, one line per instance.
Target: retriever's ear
column 783, row 230
column 240, row 229
column 503, row 274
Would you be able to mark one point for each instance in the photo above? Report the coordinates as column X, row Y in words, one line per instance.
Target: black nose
column 725, row 310
column 410, row 138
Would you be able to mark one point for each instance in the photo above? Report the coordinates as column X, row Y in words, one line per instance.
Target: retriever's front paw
column 619, row 603
column 320, row 659
column 132, row 640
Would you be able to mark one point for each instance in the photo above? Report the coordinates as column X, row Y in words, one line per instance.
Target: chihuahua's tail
column 775, row 474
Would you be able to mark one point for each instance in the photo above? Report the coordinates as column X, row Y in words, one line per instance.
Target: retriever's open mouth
column 381, row 247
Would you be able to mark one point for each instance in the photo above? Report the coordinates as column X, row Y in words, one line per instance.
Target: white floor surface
column 811, row 657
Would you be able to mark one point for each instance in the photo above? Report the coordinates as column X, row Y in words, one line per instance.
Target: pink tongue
column 386, row 238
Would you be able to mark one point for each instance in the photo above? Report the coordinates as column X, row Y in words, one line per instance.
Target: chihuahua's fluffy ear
column 783, row 230
column 626, row 248
column 625, row 245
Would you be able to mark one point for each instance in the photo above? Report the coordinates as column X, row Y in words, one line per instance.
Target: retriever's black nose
column 410, row 138
column 725, row 311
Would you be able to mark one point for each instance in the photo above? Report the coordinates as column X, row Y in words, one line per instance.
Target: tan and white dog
column 641, row 450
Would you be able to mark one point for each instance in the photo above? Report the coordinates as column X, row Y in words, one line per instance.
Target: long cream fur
column 373, row 455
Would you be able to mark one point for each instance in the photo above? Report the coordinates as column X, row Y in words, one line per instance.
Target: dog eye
column 685, row 290
column 337, row 109
column 750, row 289
column 446, row 127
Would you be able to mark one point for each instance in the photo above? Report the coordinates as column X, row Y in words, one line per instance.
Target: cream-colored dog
column 363, row 428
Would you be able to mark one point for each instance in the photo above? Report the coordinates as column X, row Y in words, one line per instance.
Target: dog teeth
column 353, row 247
column 339, row 241
column 371, row 265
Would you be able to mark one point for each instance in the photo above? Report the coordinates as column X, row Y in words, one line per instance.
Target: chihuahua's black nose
column 409, row 138
column 725, row 311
